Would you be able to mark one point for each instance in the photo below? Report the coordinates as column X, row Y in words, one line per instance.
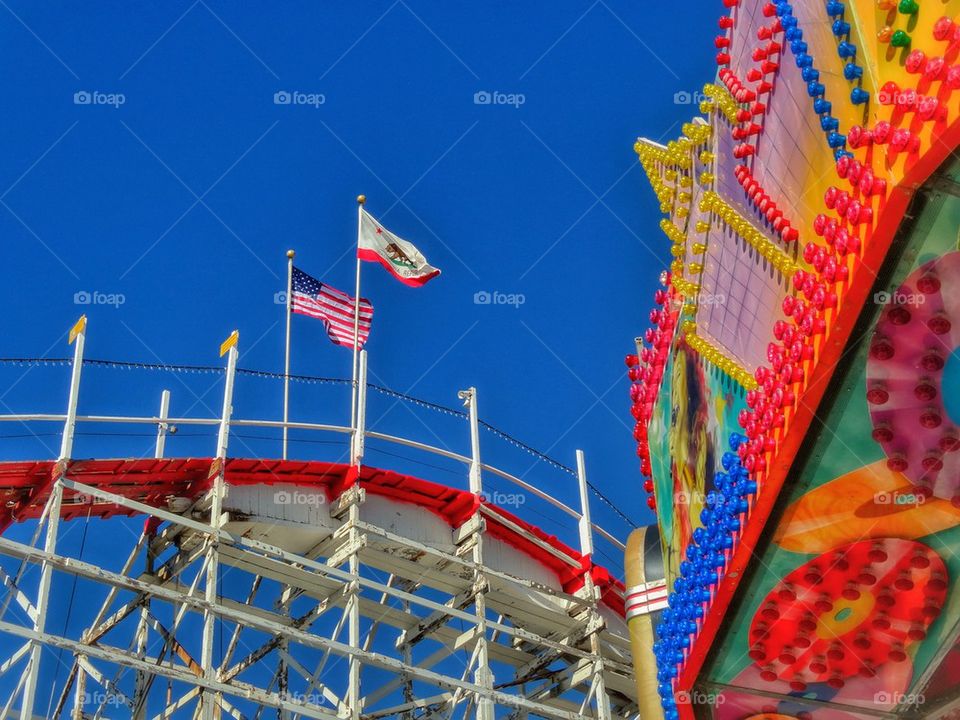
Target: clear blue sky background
column 185, row 198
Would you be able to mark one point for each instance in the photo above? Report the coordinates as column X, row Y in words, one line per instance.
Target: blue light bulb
column 846, row 50
column 822, row 107
column 851, row 71
column 834, row 8
column 858, row 96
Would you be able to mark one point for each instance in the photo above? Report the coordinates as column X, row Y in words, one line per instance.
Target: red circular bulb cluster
column 848, row 612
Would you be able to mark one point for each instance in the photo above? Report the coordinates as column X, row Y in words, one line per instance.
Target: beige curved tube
column 641, row 626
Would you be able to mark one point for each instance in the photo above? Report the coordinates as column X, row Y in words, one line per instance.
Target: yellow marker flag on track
column 77, row 329
column 229, row 342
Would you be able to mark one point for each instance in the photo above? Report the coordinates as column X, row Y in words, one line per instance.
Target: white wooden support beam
column 162, row 427
column 43, row 598
column 359, row 433
column 209, row 702
column 469, row 397
column 78, row 334
column 586, row 526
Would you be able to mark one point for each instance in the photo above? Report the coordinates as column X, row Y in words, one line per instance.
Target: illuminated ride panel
column 798, row 395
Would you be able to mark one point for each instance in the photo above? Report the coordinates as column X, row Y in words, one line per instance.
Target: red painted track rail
column 25, row 488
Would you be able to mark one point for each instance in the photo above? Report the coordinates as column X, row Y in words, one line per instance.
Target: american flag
column 336, row 309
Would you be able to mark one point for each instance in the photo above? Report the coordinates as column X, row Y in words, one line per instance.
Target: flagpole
column 361, row 199
column 286, row 358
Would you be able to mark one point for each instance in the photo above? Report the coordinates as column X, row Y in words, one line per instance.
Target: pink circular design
column 911, row 348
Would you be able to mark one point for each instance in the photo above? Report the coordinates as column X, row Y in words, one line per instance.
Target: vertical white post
column 483, row 676
column 357, row 399
column 223, row 437
column 469, row 397
column 354, row 698
column 80, row 695
column 586, row 525
column 162, row 425
column 361, row 199
column 77, row 336
column 599, row 688
column 286, row 356
column 359, row 435
column 216, row 511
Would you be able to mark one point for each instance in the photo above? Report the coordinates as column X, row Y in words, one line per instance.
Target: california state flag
column 402, row 259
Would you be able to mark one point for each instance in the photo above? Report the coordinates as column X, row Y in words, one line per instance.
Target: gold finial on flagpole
column 291, row 254
column 361, row 199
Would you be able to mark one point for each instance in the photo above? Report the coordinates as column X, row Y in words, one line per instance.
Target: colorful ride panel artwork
column 812, row 217
column 854, row 600
column 695, row 414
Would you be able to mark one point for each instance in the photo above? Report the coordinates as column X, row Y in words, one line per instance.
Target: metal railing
column 358, row 436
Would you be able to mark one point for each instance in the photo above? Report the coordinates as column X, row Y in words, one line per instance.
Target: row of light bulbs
column 712, row 202
column 718, row 358
column 720, row 99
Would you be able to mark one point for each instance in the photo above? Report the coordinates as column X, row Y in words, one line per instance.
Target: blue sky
column 182, row 183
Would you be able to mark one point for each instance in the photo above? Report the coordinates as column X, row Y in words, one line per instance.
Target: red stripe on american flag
column 337, row 311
